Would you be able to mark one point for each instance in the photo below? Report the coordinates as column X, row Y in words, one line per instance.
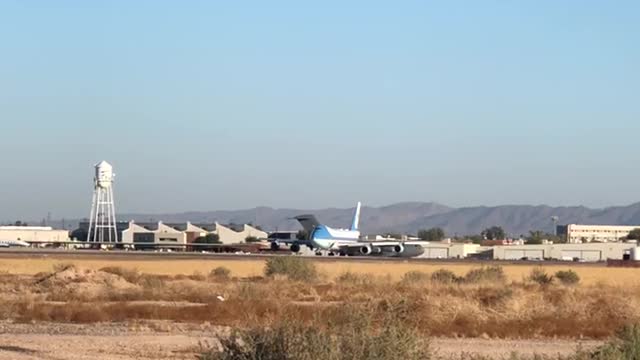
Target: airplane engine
column 295, row 247
column 398, row 249
column 370, row 250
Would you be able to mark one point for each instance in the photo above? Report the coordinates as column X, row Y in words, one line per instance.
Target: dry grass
column 483, row 304
column 361, row 335
column 589, row 275
column 388, row 340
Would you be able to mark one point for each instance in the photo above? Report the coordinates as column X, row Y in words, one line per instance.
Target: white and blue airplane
column 343, row 242
column 10, row 243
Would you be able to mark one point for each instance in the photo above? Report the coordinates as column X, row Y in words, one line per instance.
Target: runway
column 61, row 254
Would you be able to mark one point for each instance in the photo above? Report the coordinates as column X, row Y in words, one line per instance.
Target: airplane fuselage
column 326, row 238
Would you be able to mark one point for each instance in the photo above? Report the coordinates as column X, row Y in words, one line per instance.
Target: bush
column 415, row 277
column 538, row 275
column 360, row 339
column 59, row 267
column 568, row 277
column 197, row 276
column 444, row 276
column 486, row 274
column 493, row 296
column 354, row 279
column 220, row 272
column 295, row 268
column 131, row 275
column 626, row 346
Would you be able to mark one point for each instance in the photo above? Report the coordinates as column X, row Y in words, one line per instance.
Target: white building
column 584, row 252
column 601, row 233
column 448, row 250
column 33, row 234
column 230, row 236
column 185, row 233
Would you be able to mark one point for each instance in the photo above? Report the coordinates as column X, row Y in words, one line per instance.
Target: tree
column 433, row 234
column 302, row 235
column 634, row 235
column 536, row 237
column 494, row 233
column 476, row 239
column 207, row 239
column 251, row 239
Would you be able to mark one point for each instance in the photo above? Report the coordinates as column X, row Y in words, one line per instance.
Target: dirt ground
column 85, row 312
column 165, row 340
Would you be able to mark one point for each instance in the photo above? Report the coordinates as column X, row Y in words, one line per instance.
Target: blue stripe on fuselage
column 322, row 238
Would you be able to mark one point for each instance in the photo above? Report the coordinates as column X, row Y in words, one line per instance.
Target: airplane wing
column 289, row 241
column 371, row 243
column 384, row 248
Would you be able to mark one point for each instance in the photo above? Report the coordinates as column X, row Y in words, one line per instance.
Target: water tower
column 102, row 221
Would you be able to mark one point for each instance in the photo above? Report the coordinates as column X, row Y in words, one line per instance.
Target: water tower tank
column 104, row 175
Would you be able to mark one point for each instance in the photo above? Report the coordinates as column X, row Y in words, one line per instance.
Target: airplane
column 9, row 243
column 346, row 242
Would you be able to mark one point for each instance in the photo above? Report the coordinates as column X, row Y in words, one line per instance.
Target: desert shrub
column 151, row 283
column 59, row 267
column 220, row 272
column 197, row 276
column 626, row 346
column 486, row 274
column 493, row 296
column 293, row 267
column 539, row 276
column 415, row 277
column 131, row 275
column 444, row 276
column 354, row 278
column 360, row 339
column 568, row 277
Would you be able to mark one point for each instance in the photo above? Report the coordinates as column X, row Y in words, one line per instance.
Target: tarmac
column 134, row 255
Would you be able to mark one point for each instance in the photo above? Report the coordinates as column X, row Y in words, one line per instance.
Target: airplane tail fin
column 308, row 222
column 356, row 218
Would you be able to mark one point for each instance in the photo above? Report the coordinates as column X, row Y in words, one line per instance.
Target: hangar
column 592, row 252
column 445, row 250
column 186, row 233
column 33, row 234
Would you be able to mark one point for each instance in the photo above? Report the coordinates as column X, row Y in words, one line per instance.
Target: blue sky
column 225, row 105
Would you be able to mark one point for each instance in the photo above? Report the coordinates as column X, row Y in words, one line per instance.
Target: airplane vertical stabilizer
column 308, row 222
column 356, row 218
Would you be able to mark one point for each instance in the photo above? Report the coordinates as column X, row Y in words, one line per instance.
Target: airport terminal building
column 577, row 233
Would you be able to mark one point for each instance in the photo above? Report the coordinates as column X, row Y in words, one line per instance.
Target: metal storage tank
column 104, row 175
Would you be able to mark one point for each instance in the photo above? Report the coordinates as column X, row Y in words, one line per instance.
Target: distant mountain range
column 410, row 217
